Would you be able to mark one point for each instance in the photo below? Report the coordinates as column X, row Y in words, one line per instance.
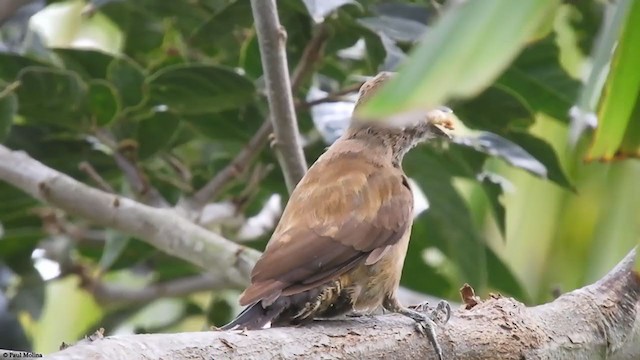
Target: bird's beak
column 440, row 120
column 438, row 131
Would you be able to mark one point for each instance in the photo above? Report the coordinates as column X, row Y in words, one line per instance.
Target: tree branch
column 272, row 41
column 105, row 293
column 599, row 321
column 162, row 228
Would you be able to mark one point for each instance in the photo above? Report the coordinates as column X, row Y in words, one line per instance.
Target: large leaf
column 621, row 91
column 53, row 96
column 227, row 125
column 128, row 78
column 91, row 64
column 12, row 64
column 509, row 151
column 543, row 152
column 198, row 89
column 8, row 110
column 493, row 187
column 495, row 109
column 448, row 223
column 221, row 25
column 461, row 55
column 31, row 295
column 539, row 80
column 502, row 278
column 583, row 116
column 155, row 132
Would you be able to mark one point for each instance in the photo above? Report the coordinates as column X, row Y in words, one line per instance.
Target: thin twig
column 178, row 167
column 272, row 41
column 215, row 186
column 132, row 172
column 88, row 169
column 236, row 167
column 332, row 97
column 110, row 294
column 310, row 56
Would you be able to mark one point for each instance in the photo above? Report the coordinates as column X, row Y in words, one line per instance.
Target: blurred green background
column 529, row 200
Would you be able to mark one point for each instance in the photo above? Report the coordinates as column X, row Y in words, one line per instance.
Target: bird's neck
column 398, row 141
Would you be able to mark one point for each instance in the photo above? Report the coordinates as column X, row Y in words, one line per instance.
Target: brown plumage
column 342, row 239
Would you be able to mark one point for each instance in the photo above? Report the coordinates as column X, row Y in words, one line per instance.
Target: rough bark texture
column 599, row 321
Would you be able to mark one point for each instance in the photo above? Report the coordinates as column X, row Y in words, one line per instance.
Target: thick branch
column 595, row 322
column 162, row 228
column 272, row 40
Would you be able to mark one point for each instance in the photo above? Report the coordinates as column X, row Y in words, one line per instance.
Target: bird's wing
column 338, row 216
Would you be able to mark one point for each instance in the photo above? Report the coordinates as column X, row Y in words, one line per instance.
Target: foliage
column 183, row 94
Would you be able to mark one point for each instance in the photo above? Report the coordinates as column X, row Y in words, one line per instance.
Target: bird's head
column 409, row 131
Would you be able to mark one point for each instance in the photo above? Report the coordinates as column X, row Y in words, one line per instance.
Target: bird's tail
column 254, row 317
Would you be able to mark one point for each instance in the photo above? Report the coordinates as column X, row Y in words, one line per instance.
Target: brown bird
column 343, row 236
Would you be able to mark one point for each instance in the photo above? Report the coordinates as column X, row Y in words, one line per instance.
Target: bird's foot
column 426, row 325
column 440, row 315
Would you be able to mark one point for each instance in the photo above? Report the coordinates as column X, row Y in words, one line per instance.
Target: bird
column 340, row 244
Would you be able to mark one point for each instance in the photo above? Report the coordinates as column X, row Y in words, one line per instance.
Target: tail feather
column 254, row 317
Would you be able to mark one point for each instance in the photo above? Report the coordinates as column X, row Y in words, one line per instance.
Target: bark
column 164, row 229
column 598, row 321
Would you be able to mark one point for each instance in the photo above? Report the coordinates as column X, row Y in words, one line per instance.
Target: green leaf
column 129, row 79
column 502, row 278
column 495, row 109
column 539, row 80
column 199, row 89
column 156, row 132
column 543, row 152
column 448, row 223
column 621, row 90
column 31, row 295
column 12, row 64
column 227, row 125
column 631, row 143
column 509, row 151
column 103, row 102
column 492, row 185
column 90, row 64
column 465, row 50
column 8, row 110
column 221, row 25
column 53, row 96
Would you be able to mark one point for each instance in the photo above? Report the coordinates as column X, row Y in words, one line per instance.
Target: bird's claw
column 440, row 315
column 425, row 326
